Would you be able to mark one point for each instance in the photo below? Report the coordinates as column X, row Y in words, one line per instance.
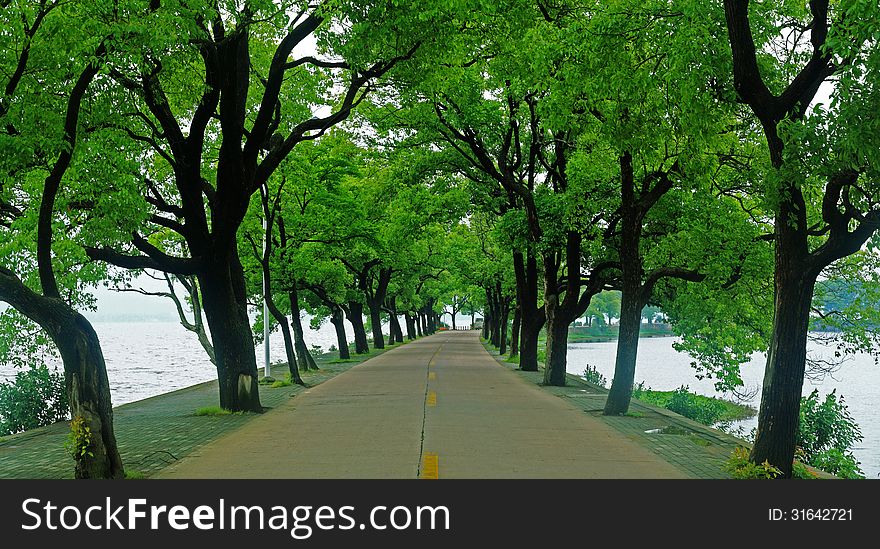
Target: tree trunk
column 341, row 340
column 453, row 320
column 532, row 316
column 88, row 391
column 410, row 327
column 561, row 313
column 306, row 361
column 557, row 345
column 502, row 329
column 85, row 373
column 395, row 333
column 355, row 315
column 225, row 304
column 495, row 328
column 631, row 301
column 376, row 325
column 417, row 320
column 630, row 324
column 292, row 365
column 514, row 332
column 779, row 412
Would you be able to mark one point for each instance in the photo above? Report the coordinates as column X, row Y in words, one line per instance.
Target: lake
column 661, row 367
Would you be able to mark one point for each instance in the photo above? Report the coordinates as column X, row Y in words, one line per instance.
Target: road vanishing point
column 437, row 407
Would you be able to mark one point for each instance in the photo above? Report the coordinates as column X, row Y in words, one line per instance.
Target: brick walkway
column 154, row 432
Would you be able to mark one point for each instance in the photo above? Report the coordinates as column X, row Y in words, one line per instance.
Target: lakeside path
column 440, row 407
column 155, row 431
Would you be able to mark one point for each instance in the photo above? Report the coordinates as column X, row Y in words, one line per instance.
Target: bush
column 739, row 466
column 827, row 435
column 592, row 375
column 704, row 410
column 36, row 397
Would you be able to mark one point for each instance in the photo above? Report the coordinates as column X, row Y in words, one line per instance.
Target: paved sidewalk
column 437, row 407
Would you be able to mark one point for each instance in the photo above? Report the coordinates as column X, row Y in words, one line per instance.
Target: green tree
column 823, row 162
column 218, row 102
column 57, row 50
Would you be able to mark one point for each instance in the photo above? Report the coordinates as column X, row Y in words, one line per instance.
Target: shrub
column 739, row 466
column 827, row 434
column 34, row 398
column 592, row 375
column 704, row 410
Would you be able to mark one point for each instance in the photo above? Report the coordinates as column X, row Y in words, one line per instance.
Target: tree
column 217, row 134
column 822, row 165
column 41, row 113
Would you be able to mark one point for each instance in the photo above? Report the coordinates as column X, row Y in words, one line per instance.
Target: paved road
column 437, row 407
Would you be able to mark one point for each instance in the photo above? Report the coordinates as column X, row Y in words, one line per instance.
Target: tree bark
column 502, row 329
column 562, row 312
column 794, row 280
column 630, row 324
column 292, row 365
column 514, row 331
column 557, row 345
column 338, row 321
column 355, row 314
column 376, row 325
column 410, row 327
column 88, row 391
column 631, row 302
column 85, row 373
column 306, row 361
column 225, row 304
column 395, row 333
column 532, row 316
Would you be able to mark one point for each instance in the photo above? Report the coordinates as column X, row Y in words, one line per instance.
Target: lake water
column 145, row 359
column 663, row 368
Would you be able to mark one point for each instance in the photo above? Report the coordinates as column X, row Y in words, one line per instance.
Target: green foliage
column 839, row 463
column 79, row 439
column 740, row 467
column 34, row 398
column 700, row 408
column 801, row 471
column 827, row 434
column 594, row 376
column 134, row 475
column 705, row 411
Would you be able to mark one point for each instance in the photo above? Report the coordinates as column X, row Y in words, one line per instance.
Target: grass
column 212, row 411
column 281, row 383
column 134, row 475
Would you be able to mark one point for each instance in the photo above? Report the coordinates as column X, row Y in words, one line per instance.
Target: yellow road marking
column 432, row 375
column 432, row 398
column 430, row 466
